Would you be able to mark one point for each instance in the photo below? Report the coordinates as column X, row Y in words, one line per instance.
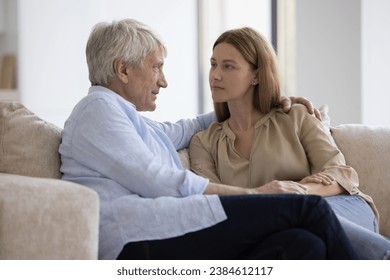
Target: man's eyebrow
column 159, row 63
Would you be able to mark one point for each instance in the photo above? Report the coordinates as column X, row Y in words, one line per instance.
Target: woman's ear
column 255, row 80
column 121, row 70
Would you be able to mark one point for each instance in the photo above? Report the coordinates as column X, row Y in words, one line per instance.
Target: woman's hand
column 319, row 178
column 286, row 102
column 322, row 184
column 281, row 187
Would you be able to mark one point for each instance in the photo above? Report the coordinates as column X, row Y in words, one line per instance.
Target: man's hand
column 286, row 102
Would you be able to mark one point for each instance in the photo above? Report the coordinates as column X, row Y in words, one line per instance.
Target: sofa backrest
column 367, row 150
column 28, row 144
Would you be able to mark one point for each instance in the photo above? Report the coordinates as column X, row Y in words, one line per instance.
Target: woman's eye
column 228, row 66
column 213, row 65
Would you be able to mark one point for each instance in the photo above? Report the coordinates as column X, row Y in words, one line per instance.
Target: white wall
column 51, row 49
column 376, row 62
column 328, row 58
column 343, row 58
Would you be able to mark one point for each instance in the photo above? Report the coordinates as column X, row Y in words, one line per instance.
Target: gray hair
column 128, row 40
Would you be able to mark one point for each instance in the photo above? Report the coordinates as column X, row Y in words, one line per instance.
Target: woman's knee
column 355, row 209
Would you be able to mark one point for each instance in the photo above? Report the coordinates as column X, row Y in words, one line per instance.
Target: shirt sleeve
column 323, row 155
column 202, row 161
column 110, row 142
column 181, row 132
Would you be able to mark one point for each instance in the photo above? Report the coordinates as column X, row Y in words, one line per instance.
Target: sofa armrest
column 44, row 219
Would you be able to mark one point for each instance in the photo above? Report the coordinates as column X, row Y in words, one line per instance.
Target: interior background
column 333, row 52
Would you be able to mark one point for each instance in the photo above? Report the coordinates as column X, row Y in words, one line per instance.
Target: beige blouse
column 285, row 147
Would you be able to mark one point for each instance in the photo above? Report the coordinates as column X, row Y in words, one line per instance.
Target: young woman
column 254, row 143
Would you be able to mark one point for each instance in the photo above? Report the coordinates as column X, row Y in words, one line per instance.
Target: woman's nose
column 215, row 74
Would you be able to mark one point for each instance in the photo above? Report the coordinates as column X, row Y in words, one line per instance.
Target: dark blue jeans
column 258, row 227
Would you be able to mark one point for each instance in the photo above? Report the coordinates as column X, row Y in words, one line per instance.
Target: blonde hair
column 259, row 53
column 128, row 40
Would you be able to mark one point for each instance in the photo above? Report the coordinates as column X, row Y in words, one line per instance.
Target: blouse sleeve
column 323, row 155
column 201, row 158
column 112, row 143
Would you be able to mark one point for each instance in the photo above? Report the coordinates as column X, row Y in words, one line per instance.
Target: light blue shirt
column 132, row 163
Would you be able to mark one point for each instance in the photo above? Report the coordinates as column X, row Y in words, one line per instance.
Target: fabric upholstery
column 367, row 149
column 43, row 219
column 28, row 144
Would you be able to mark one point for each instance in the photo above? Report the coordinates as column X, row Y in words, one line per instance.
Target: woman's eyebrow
column 225, row 60
column 229, row 61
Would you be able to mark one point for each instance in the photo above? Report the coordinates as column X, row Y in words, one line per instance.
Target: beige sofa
column 43, row 217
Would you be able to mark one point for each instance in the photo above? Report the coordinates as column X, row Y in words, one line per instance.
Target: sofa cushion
column 28, row 145
column 367, row 149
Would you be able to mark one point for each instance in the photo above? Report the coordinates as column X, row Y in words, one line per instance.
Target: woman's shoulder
column 298, row 109
column 298, row 117
column 213, row 132
column 207, row 140
column 297, row 112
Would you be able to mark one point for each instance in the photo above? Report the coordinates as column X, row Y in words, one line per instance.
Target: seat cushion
column 28, row 144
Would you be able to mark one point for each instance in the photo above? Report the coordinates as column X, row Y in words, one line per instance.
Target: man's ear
column 121, row 70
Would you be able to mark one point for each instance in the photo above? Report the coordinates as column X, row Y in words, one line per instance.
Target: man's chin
column 150, row 108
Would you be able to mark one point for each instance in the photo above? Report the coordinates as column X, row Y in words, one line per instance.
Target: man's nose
column 162, row 82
